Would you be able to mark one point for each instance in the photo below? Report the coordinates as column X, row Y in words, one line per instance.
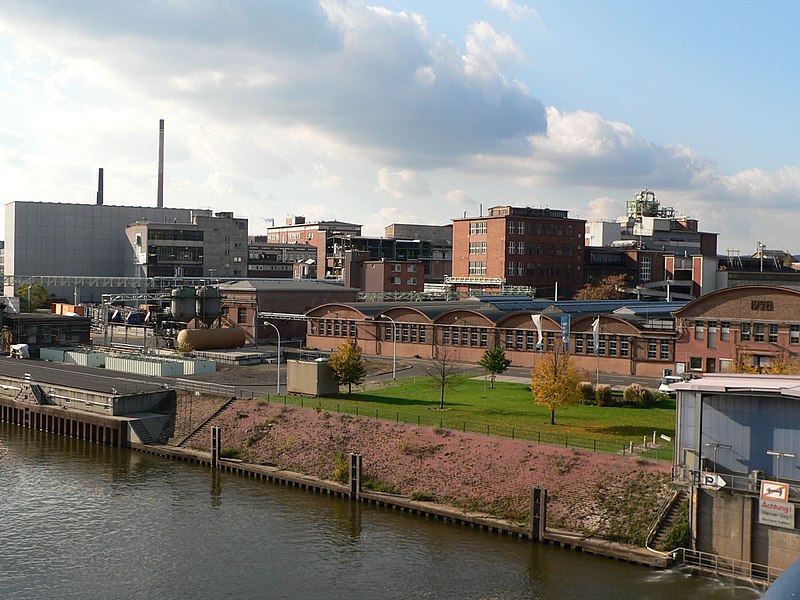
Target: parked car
column 669, row 380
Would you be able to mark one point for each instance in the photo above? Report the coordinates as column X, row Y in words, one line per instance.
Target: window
column 758, row 335
column 589, row 344
column 520, row 339
column 412, row 268
column 512, row 267
column 388, row 330
column 601, row 345
column 477, row 228
column 578, row 344
column 794, row 334
column 411, row 281
column 477, row 247
column 422, row 331
column 241, row 315
column 484, row 337
column 651, row 349
column 396, row 268
column 404, row 332
column 698, row 330
column 724, row 330
column 773, row 333
column 624, row 345
column 473, row 336
column 746, row 327
column 695, row 363
column 612, row 346
column 414, row 334
column 509, row 340
column 445, row 336
column 711, row 338
column 521, row 227
column 477, row 267
column 395, row 280
column 646, row 269
column 663, row 350
column 464, row 336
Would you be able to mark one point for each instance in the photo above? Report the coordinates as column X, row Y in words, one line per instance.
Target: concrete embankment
column 437, row 511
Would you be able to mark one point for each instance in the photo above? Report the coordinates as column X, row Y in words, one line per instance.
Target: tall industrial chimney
column 100, row 187
column 160, row 200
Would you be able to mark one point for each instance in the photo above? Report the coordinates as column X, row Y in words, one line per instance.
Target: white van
column 666, row 385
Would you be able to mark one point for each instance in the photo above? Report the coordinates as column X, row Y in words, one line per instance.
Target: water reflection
column 86, row 521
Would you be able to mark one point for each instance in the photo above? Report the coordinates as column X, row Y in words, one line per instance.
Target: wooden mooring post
column 355, row 475
column 538, row 517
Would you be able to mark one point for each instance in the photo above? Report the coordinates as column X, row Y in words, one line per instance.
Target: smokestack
column 160, row 199
column 100, row 187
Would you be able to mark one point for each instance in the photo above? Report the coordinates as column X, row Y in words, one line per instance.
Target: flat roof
column 787, row 385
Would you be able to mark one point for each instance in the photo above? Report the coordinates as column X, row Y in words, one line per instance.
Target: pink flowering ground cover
column 610, row 496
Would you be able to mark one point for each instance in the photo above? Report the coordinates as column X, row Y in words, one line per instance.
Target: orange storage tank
column 210, row 339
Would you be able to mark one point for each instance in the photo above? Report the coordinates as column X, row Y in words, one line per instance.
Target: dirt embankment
column 610, row 496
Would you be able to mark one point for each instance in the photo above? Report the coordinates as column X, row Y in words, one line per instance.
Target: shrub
column 603, row 395
column 229, row 453
column 341, row 468
column 678, row 535
column 586, row 389
column 638, row 394
column 421, row 497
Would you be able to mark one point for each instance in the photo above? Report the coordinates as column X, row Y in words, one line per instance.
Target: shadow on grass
column 637, row 431
column 393, row 401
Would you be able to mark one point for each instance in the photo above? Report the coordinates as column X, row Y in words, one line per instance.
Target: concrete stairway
column 670, row 517
column 142, row 432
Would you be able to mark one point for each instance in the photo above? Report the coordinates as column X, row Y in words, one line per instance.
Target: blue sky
column 409, row 111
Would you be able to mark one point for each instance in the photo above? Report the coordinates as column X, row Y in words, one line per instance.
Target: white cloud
column 459, row 198
column 402, row 184
column 375, row 224
column 517, row 12
column 604, row 208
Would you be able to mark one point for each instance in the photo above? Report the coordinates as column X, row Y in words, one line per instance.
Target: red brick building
column 382, row 275
column 513, row 246
column 629, row 342
column 753, row 323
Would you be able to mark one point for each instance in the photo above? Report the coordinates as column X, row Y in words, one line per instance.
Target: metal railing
column 741, row 483
column 540, row 437
column 722, row 566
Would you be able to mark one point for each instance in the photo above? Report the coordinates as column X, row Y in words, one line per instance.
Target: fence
column 517, row 433
column 731, row 567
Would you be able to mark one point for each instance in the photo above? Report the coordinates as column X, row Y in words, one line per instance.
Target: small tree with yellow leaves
column 555, row 382
column 347, row 365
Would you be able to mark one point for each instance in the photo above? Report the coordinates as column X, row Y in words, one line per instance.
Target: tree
column 32, row 297
column 495, row 362
column 347, row 365
column 555, row 382
column 611, row 287
column 443, row 371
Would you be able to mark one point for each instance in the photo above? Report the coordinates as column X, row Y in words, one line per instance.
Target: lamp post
column 715, row 446
column 778, row 456
column 278, row 386
column 394, row 346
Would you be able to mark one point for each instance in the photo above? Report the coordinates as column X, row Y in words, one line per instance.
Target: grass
column 509, row 410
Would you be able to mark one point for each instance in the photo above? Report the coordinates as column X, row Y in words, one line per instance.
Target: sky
column 409, row 111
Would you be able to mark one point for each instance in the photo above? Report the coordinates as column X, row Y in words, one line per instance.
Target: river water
column 83, row 521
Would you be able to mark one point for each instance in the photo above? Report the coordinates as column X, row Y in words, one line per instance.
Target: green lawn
column 509, row 410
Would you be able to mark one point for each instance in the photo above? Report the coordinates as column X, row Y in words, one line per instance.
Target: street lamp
column 394, row 345
column 715, row 445
column 278, row 387
column 778, row 456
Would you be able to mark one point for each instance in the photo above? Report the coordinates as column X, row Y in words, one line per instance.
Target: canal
column 81, row 521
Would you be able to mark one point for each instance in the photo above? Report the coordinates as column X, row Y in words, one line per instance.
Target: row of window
column 528, row 228
column 397, row 267
column 399, row 281
column 337, row 328
column 540, row 249
column 520, row 268
column 750, row 332
column 406, row 332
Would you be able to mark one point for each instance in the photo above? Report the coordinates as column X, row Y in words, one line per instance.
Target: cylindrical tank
column 207, row 339
column 183, row 304
column 208, row 303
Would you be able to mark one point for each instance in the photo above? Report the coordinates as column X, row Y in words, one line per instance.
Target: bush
column 678, row 535
column 638, row 394
column 603, row 395
column 341, row 468
column 586, row 389
column 229, row 453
